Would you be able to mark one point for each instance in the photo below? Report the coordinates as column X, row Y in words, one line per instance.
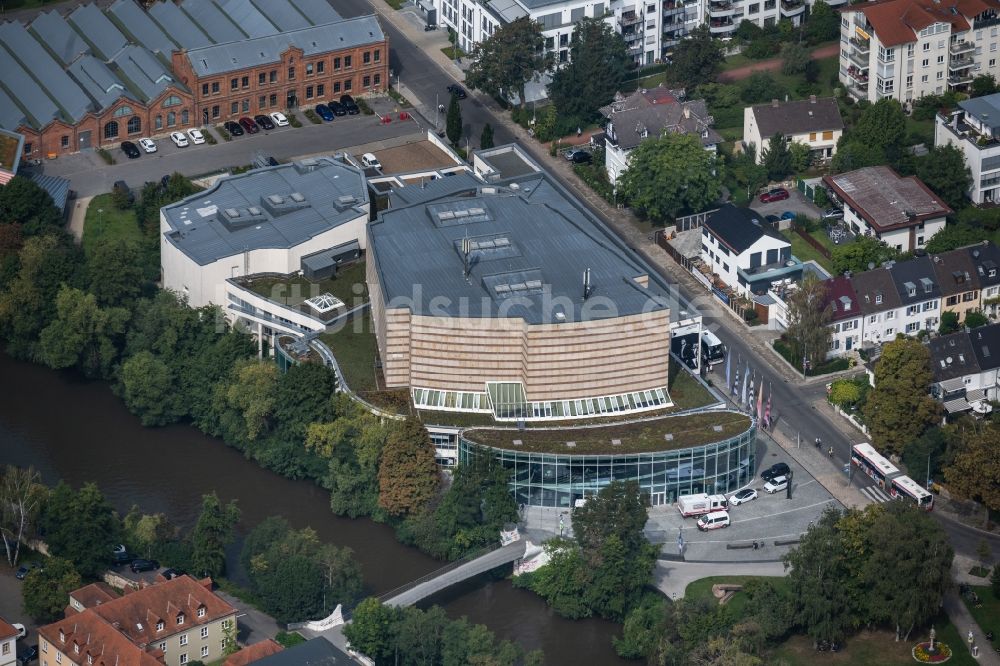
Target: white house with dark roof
column 965, row 366
column 745, row 252
column 974, row 128
column 814, row 122
column 846, row 318
column 652, row 113
column 879, row 202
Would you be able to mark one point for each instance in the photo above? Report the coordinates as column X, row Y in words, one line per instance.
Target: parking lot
column 796, row 203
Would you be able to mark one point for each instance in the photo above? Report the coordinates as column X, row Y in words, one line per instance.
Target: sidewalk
column 77, row 217
column 672, row 578
column 964, row 623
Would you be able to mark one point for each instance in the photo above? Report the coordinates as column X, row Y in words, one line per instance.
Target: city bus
column 903, row 487
column 873, row 464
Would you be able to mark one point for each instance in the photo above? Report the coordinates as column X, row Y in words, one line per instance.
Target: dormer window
column 159, row 625
column 90, row 658
column 878, row 298
column 62, row 636
column 201, row 611
column 993, row 272
column 180, row 619
column 76, row 648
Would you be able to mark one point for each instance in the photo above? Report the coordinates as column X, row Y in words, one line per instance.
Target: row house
column 965, row 366
column 906, row 49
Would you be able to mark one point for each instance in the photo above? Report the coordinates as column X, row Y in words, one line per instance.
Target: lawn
column 924, row 129
column 703, row 589
column 637, row 437
column 806, row 252
column 686, row 391
column 348, row 285
column 453, row 52
column 104, row 223
column 987, row 616
column 8, row 151
column 355, row 348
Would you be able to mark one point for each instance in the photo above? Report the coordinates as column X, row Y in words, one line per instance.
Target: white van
column 714, row 520
column 369, row 160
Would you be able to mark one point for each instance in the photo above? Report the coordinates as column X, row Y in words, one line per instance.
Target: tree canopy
column 975, row 470
column 408, row 477
column 65, row 514
column 669, row 176
column 46, row 590
column 899, row 408
column 597, row 69
column 215, row 529
column 696, row 59
column 24, row 203
column 861, row 254
column 954, row 236
column 506, row 60
column 943, row 170
column 808, row 316
column 777, row 158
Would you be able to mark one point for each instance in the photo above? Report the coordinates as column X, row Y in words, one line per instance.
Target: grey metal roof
column 141, row 27
column 48, row 73
column 332, row 192
column 212, row 20
column 284, row 14
column 347, row 33
column 985, row 109
column 986, row 344
column 58, row 188
column 38, row 107
column 145, row 73
column 548, row 243
column 918, row 272
column 179, row 25
column 428, row 191
column 248, row 18
column 98, row 80
column 953, row 356
column 12, row 116
column 102, row 33
column 53, row 30
column 317, row 11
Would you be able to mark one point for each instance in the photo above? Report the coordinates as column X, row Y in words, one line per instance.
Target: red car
column 251, row 127
column 777, row 194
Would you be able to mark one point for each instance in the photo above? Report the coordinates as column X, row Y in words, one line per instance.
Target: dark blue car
column 324, row 112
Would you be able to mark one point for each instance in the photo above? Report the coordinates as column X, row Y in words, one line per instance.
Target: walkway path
column 774, row 64
column 672, row 578
column 962, row 619
column 77, row 216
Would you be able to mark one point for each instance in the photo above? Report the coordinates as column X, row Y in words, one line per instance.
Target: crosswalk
column 876, row 494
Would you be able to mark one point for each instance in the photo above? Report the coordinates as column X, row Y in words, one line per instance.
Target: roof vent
column 297, row 196
column 276, row 199
column 253, row 210
column 232, row 213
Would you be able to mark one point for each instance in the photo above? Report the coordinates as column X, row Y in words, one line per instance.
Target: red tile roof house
column 174, row 623
column 8, row 644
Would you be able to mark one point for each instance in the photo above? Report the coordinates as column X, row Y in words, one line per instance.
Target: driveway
column 12, row 606
column 796, row 203
column 254, row 625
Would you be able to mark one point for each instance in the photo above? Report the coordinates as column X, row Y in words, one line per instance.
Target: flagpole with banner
column 760, row 400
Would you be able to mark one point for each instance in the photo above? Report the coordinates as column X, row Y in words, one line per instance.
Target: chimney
column 774, row 103
column 812, row 99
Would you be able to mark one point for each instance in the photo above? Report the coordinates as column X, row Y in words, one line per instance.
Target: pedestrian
column 579, row 131
column 818, row 442
column 830, row 452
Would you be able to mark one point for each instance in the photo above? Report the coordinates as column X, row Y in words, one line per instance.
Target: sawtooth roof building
column 94, row 77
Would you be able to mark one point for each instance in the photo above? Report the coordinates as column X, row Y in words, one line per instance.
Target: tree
column 861, row 254
column 975, row 471
column 949, row 323
column 453, row 123
column 214, row 531
column 244, row 404
column 80, row 527
column 46, row 590
column 954, row 236
column 486, row 138
column 24, row 202
column 83, row 334
column 597, row 69
column 20, row 496
column 408, row 477
column 372, row 629
column 642, row 629
column 844, row 393
column 145, row 533
column 899, row 408
column 925, row 454
column 303, row 396
column 984, row 84
column 618, row 510
column 696, row 59
column 883, row 126
column 975, row 319
column 809, row 312
column 669, row 176
column 777, row 158
column 761, row 87
column 149, row 392
column 823, row 23
column 853, row 154
column 114, row 272
column 503, row 63
column 794, row 58
column 943, row 170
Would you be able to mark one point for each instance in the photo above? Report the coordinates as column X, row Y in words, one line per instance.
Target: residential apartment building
column 845, row 315
column 974, row 128
column 745, row 252
column 174, row 623
column 905, row 49
column 8, row 644
column 94, row 77
column 651, row 113
column 814, row 122
column 878, row 202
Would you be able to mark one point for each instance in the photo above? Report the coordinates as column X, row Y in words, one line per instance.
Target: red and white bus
column 873, row 464
column 903, row 487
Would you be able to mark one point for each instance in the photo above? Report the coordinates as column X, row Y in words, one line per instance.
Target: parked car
column 337, row 108
column 196, row 136
column 370, row 160
column 582, row 157
column 742, row 496
column 130, row 149
column 144, row 565
column 279, row 119
column 172, row 573
column 179, row 139
column 147, row 144
column 772, row 219
column 233, row 128
column 21, row 573
column 324, row 112
column 457, row 90
column 350, row 105
column 120, row 558
column 27, row 654
column 788, row 215
column 20, row 629
column 264, row 122
column 776, row 194
column 776, row 484
column 777, row 469
column 833, row 214
column 249, row 125
column 713, row 521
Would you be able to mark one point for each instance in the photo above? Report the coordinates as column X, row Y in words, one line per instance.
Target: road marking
column 779, row 513
column 876, row 494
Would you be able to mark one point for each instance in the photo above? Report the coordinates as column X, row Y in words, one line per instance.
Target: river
column 78, row 431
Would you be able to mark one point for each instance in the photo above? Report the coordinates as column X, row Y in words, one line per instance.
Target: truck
column 713, row 352
column 696, row 505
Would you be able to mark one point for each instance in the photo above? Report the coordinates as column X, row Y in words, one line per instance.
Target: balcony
column 721, row 9
column 859, row 59
column 959, row 80
column 862, row 46
column 721, row 26
column 958, row 64
column 632, row 36
column 986, row 20
column 792, row 7
column 858, row 91
column 629, row 19
column 858, row 76
column 958, row 48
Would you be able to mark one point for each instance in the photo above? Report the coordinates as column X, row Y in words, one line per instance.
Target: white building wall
column 985, row 182
column 8, row 652
column 825, row 142
column 898, row 238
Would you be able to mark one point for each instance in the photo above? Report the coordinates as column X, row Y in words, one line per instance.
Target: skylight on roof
column 324, row 303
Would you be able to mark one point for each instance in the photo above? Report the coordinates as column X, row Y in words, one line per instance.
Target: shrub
column 313, row 118
column 293, row 119
column 365, row 109
column 223, row 133
column 106, row 156
column 209, row 137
